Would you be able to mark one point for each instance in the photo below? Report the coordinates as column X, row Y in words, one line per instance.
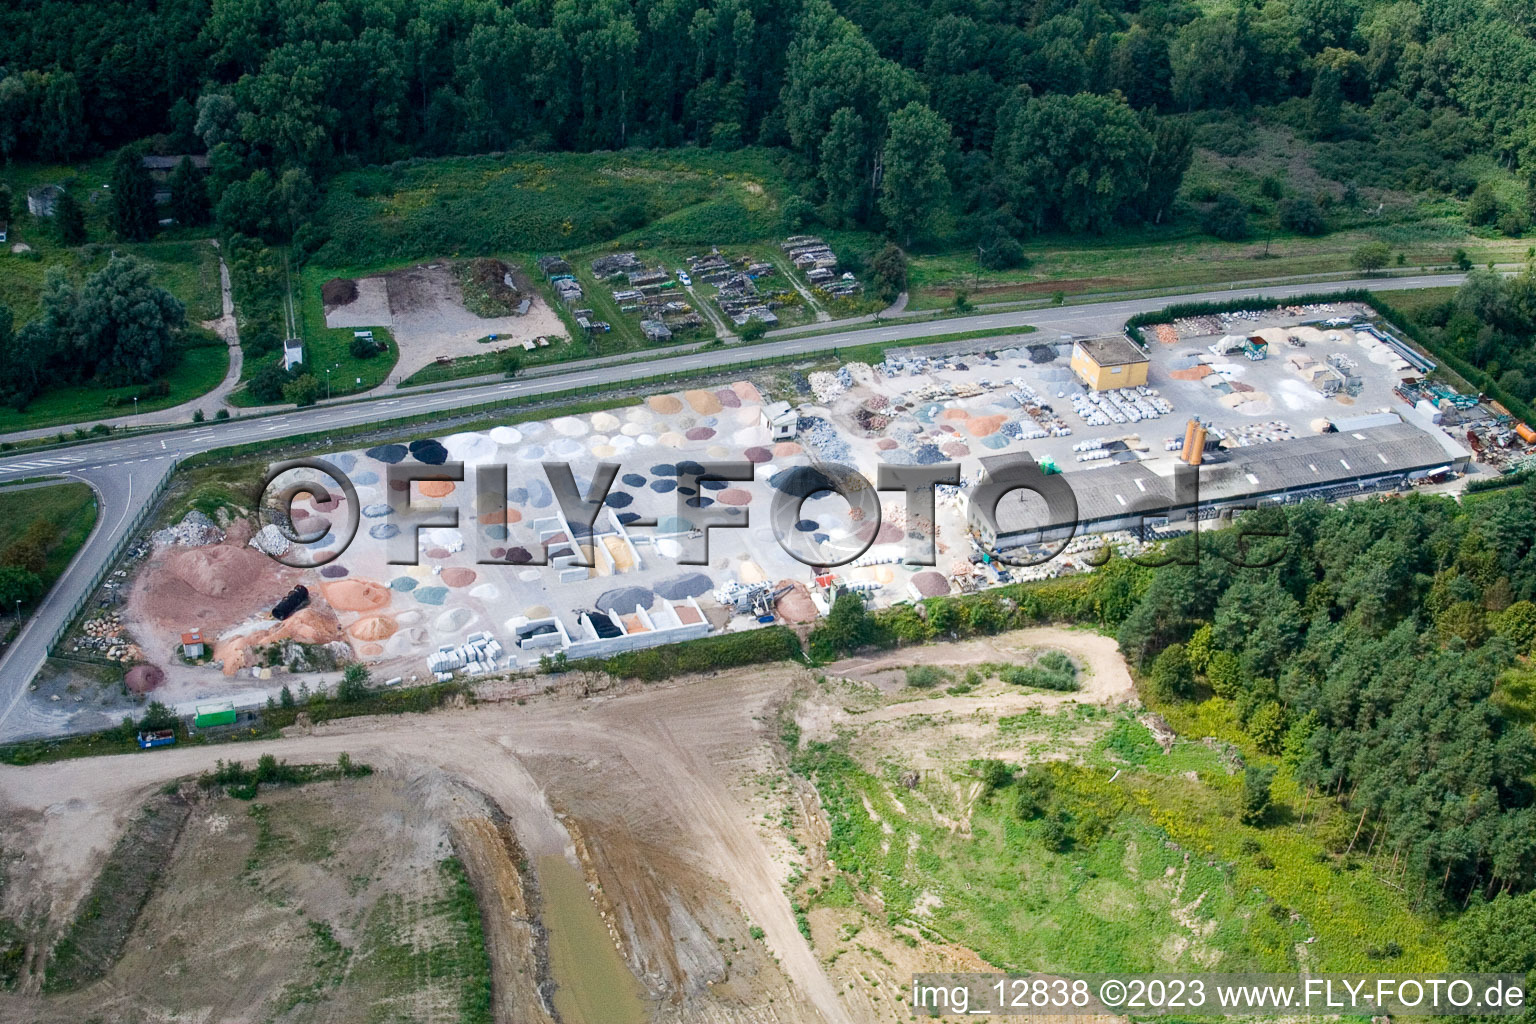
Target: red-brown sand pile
column 217, row 570
column 981, row 426
column 143, row 678
column 796, row 605
column 311, row 625
column 458, row 576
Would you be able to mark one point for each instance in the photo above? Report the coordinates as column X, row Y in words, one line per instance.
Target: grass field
column 185, row 265
column 71, row 507
column 327, row 348
column 1147, row 869
column 522, row 203
column 1413, row 300
column 198, row 370
column 1152, row 260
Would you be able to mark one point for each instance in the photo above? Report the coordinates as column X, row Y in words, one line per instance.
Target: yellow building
column 1113, row 361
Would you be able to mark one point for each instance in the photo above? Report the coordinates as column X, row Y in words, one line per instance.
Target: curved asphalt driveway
column 125, row 471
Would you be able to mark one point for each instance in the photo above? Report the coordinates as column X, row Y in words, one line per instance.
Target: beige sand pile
column 667, row 405
column 374, row 627
column 705, row 403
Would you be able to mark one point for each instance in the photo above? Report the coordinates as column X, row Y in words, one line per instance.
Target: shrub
column 1054, row 834
column 1034, row 792
column 1302, row 215
column 1267, row 727
column 1172, row 678
column 1053, row 670
column 846, row 628
column 752, row 330
column 302, row 390
column 1224, row 673
column 726, row 650
column 1483, row 206
column 926, row 677
column 1257, row 780
column 1227, row 219
column 1370, row 257
column 354, row 683
column 994, row 774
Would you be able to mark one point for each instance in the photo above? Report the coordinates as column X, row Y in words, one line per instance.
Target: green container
column 223, row 716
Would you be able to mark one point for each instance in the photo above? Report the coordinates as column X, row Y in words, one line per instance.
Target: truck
column 157, row 738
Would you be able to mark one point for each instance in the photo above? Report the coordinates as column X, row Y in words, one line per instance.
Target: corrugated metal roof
column 1117, row 490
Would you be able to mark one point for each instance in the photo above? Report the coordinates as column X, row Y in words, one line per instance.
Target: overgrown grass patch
column 60, row 516
column 547, row 202
column 1125, row 859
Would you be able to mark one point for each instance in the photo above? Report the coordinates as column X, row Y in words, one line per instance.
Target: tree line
column 899, row 115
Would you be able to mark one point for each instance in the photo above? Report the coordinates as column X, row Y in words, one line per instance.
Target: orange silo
column 1198, row 452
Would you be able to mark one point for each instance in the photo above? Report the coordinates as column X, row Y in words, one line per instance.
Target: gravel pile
column 822, row 439
column 194, row 531
column 269, row 540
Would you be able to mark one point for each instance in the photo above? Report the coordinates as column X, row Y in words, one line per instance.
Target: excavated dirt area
column 315, row 903
column 671, row 800
column 649, row 793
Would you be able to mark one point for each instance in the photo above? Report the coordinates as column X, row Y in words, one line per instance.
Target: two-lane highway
column 126, row 471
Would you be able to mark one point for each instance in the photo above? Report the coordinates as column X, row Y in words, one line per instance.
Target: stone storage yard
column 483, row 579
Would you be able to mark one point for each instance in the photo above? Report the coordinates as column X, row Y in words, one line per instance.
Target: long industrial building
column 1136, row 495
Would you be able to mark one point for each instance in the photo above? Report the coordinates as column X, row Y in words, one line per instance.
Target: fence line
column 110, row 562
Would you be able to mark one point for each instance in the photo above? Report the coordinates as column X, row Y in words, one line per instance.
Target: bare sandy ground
column 673, row 750
column 657, row 792
column 1103, row 676
column 424, row 308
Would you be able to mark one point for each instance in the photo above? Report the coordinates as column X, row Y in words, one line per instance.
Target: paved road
column 125, row 471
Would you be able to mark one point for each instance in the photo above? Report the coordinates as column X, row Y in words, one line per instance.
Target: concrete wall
column 667, row 630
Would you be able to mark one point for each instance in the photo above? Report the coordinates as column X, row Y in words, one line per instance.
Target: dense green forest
column 1489, row 323
column 968, row 118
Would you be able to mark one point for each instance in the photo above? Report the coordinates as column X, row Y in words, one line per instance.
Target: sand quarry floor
column 670, row 798
column 423, row 307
